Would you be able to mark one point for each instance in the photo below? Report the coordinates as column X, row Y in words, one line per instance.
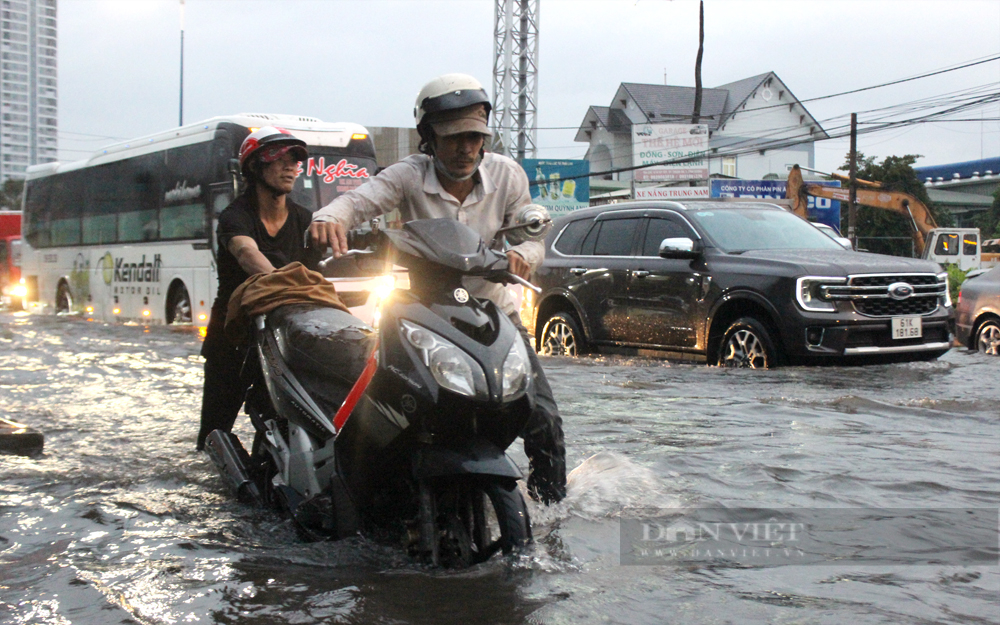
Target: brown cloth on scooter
column 263, row 292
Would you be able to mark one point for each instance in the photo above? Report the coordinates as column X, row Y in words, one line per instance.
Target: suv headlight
column 516, row 369
column 943, row 277
column 451, row 367
column 811, row 294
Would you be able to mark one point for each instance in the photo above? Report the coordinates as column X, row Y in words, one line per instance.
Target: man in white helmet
column 456, row 178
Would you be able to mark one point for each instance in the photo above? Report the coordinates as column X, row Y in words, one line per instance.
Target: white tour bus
column 129, row 233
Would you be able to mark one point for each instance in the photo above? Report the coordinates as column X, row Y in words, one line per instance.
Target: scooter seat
column 321, row 342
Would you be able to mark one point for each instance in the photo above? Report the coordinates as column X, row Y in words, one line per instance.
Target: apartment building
column 28, row 91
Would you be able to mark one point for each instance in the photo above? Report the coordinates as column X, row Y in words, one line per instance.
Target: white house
column 758, row 113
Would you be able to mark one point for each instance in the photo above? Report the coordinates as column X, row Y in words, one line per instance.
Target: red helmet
column 271, row 143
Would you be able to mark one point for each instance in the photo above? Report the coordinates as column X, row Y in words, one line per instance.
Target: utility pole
column 696, row 116
column 180, row 121
column 852, row 208
column 515, row 78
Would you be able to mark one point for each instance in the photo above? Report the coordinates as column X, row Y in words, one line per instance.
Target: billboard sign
column 653, row 143
column 560, row 185
column 822, row 210
column 672, row 193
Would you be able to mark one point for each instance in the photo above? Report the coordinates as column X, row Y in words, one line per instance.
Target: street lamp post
column 181, row 115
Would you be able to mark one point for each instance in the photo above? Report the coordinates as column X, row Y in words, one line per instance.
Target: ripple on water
column 119, row 519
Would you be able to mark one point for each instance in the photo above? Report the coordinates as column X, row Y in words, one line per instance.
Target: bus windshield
column 328, row 173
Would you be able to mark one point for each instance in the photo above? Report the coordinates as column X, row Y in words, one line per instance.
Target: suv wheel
column 747, row 344
column 561, row 336
column 988, row 338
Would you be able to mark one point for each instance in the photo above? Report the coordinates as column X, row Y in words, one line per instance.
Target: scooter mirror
column 531, row 223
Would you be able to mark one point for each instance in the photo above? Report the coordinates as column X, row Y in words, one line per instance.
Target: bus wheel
column 64, row 299
column 178, row 305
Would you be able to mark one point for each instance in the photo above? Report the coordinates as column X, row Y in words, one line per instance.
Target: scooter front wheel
column 457, row 517
column 511, row 516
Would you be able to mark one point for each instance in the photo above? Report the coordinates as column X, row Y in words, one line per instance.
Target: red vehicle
column 11, row 290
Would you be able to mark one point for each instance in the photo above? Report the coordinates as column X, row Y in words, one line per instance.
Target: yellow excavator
column 869, row 194
column 958, row 246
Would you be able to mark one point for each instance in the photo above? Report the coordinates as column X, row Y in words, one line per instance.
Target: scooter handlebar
column 359, row 243
column 326, row 261
column 519, row 280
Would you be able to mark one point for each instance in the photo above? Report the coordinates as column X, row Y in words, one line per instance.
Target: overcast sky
column 365, row 60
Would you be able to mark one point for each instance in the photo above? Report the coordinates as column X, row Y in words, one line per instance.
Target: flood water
column 121, row 521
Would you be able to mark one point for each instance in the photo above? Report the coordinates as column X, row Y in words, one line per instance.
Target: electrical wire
column 947, row 69
column 782, row 143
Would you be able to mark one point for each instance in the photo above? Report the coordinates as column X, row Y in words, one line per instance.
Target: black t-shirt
column 241, row 219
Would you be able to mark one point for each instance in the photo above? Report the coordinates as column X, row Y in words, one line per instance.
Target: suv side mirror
column 680, row 247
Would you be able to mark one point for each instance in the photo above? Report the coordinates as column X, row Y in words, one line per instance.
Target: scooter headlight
column 516, row 368
column 451, row 367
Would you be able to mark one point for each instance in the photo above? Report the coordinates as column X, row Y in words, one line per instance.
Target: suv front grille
column 891, row 308
column 870, row 294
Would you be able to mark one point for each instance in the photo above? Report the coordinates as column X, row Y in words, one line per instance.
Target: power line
column 776, row 144
column 769, row 140
column 963, row 65
column 902, row 80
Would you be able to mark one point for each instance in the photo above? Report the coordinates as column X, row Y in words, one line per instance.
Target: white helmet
column 453, row 92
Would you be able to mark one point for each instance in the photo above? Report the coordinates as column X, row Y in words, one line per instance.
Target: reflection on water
column 121, row 521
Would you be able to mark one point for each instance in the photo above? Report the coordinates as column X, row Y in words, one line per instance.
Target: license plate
column 907, row 328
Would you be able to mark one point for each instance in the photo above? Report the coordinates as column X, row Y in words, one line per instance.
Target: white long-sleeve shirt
column 412, row 186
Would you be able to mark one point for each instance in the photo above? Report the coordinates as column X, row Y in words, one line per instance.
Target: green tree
column 896, row 174
column 10, row 195
column 989, row 222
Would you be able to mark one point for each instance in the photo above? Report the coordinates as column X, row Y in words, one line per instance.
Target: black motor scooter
column 399, row 433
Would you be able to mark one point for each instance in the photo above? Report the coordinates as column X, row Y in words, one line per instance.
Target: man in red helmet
column 456, row 178
column 260, row 231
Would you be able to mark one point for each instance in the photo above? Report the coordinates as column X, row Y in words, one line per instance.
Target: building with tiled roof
column 759, row 111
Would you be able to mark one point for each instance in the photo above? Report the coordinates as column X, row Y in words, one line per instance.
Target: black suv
column 743, row 284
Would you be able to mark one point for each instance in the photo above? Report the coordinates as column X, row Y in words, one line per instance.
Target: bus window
column 105, row 184
column 36, row 226
column 183, row 213
column 327, row 174
column 184, row 221
column 65, row 204
column 353, row 172
column 137, row 215
column 220, row 201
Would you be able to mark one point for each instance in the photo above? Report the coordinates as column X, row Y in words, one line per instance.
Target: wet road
column 121, row 521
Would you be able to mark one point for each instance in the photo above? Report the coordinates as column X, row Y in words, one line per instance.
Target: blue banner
column 819, row 209
column 558, row 185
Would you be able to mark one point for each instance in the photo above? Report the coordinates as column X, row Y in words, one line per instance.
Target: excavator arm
column 918, row 215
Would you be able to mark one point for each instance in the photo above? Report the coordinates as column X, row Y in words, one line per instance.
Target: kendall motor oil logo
column 131, row 278
column 141, row 271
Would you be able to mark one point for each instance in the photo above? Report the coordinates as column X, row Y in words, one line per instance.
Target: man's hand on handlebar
column 324, row 234
column 517, row 265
